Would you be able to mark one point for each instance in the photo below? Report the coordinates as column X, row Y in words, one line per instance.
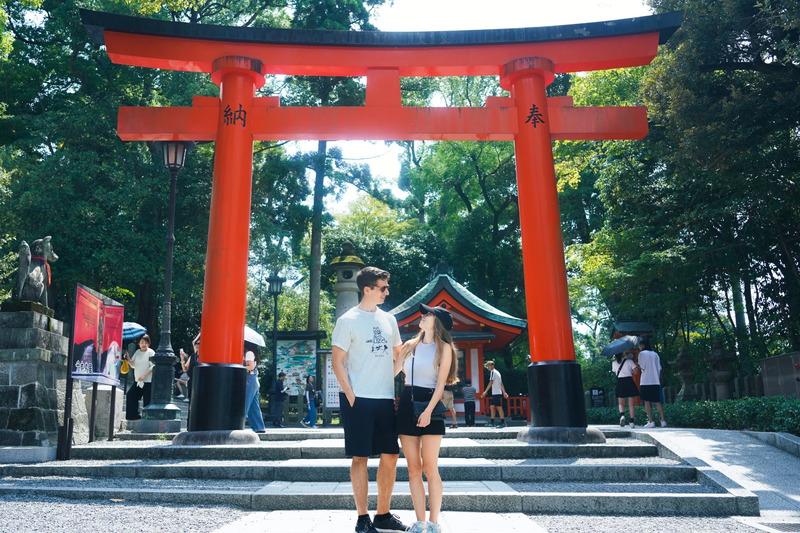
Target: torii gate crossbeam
column 524, row 59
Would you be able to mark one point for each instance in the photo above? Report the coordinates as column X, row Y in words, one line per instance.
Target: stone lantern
column 721, row 369
column 346, row 267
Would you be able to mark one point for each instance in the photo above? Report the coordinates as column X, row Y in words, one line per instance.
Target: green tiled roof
column 462, row 295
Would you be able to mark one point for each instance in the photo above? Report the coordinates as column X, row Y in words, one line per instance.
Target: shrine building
column 478, row 328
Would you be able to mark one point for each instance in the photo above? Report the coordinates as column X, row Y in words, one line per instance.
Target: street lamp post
column 161, row 412
column 275, row 288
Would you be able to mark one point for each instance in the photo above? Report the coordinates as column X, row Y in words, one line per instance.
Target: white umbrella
column 254, row 337
column 250, row 335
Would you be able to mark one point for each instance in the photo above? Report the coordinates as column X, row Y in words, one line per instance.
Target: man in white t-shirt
column 498, row 393
column 650, row 383
column 366, row 341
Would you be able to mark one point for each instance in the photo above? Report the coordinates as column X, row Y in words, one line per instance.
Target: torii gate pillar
column 554, row 377
column 218, row 389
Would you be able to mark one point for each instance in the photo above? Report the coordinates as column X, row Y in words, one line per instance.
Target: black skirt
column 407, row 422
column 626, row 388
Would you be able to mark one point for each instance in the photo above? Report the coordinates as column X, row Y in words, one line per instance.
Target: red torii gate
column 526, row 60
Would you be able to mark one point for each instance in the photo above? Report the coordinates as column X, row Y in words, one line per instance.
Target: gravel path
column 56, row 515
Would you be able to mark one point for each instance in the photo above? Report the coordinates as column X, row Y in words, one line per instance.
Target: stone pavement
column 772, row 474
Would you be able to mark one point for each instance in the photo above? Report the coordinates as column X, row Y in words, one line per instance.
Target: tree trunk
column 146, row 308
column 741, row 329
column 755, row 335
column 316, row 237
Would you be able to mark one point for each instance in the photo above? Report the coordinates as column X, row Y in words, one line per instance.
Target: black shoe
column 388, row 523
column 365, row 526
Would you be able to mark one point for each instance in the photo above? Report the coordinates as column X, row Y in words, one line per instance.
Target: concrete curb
column 327, row 473
column 783, row 441
column 499, row 502
column 27, row 454
column 274, row 453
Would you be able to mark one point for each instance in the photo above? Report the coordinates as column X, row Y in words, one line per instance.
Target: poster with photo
column 97, row 337
column 297, row 359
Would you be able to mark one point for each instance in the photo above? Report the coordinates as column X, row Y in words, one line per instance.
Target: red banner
column 97, row 337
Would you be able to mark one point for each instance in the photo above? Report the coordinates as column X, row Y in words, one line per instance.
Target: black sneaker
column 365, row 526
column 388, row 523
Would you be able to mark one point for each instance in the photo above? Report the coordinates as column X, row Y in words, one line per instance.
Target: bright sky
column 432, row 15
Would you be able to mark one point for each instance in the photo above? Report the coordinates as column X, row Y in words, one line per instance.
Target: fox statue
column 34, row 276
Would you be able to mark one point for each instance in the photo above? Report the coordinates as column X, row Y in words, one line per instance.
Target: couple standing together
column 367, row 354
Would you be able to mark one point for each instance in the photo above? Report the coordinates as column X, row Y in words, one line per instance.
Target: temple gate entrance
column 526, row 61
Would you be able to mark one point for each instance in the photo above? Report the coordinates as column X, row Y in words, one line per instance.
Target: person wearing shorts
column 366, row 342
column 650, row 384
column 498, row 393
column 429, row 363
column 623, row 367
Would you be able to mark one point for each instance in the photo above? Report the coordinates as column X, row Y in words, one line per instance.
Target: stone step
column 338, row 470
column 294, row 434
column 334, row 449
column 679, row 499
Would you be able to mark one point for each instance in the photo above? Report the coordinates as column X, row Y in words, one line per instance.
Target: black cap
column 439, row 312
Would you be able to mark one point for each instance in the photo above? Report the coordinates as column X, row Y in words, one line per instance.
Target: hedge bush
column 772, row 413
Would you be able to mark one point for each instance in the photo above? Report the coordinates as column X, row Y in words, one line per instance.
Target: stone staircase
column 483, row 469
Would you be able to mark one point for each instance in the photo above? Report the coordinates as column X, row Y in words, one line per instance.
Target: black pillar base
column 217, row 398
column 558, row 412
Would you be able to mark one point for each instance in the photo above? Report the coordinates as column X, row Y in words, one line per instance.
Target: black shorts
column 651, row 393
column 497, row 400
column 626, row 388
column 407, row 422
column 369, row 427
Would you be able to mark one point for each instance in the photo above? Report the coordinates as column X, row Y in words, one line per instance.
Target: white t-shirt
column 650, row 363
column 627, row 368
column 141, row 364
column 425, row 374
column 497, row 382
column 369, row 338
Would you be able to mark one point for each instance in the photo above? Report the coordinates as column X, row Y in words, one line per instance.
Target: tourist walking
column 650, row 384
column 623, row 367
column 498, row 394
column 277, row 397
column 365, row 344
column 310, row 420
column 469, row 393
column 142, row 379
column 429, row 364
column 252, row 395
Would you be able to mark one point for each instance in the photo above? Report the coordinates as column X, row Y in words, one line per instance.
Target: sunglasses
column 382, row 289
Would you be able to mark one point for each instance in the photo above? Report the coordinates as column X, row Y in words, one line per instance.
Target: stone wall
column 33, row 359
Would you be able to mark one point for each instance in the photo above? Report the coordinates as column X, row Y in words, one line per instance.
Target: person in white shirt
column 623, row 367
column 650, row 384
column 498, row 393
column 365, row 345
column 143, row 376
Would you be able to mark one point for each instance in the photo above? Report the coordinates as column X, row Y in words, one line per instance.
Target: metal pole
column 161, row 406
column 275, row 340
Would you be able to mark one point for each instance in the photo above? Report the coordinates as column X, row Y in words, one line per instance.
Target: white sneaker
column 650, row 425
column 622, row 421
column 433, row 528
column 631, row 425
column 663, row 423
column 417, row 527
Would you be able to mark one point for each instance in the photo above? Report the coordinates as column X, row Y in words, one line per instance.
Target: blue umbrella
column 132, row 330
column 620, row 345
